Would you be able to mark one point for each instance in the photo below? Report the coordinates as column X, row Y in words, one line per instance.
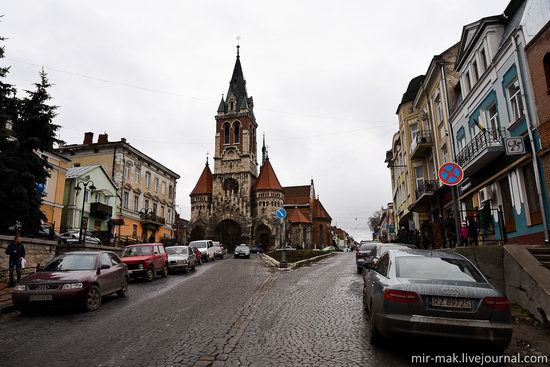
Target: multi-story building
column 52, row 200
column 495, row 103
column 146, row 188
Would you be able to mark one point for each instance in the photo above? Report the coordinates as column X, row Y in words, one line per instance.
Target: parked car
column 362, row 253
column 198, row 254
column 328, row 249
column 146, row 260
column 71, row 237
column 80, row 278
column 255, row 249
column 381, row 249
column 181, row 258
column 218, row 250
column 206, row 247
column 434, row 294
column 223, row 249
column 242, row 251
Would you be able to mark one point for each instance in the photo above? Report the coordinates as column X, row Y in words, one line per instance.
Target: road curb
column 274, row 263
column 7, row 309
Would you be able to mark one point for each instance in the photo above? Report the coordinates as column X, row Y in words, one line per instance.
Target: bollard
column 283, row 264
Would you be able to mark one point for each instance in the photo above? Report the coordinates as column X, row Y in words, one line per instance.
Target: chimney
column 103, row 139
column 88, row 138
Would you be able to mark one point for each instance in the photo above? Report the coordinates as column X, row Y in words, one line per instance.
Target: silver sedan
column 181, row 258
column 436, row 294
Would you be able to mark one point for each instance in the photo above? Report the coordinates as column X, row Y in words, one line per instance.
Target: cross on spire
column 207, row 154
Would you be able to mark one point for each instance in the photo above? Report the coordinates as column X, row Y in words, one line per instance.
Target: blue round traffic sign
column 281, row 213
column 451, row 174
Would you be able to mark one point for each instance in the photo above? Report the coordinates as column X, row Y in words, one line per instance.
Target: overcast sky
column 326, row 78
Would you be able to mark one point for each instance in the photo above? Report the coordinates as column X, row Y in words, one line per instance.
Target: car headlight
column 20, row 287
column 72, row 286
column 140, row 266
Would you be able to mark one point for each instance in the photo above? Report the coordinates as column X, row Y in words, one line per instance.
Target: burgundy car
column 146, row 260
column 81, row 278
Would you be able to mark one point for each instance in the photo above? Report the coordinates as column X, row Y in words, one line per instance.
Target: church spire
column 264, row 152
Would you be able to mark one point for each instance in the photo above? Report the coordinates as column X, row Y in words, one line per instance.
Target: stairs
column 542, row 254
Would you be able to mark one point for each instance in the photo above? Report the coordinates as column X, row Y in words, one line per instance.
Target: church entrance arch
column 228, row 232
column 264, row 237
column 197, row 233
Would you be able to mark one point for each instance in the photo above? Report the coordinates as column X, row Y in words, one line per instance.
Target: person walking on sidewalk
column 15, row 251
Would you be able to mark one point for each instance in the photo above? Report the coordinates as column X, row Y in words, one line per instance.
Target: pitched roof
column 296, row 215
column 76, row 172
column 267, row 180
column 297, row 194
column 319, row 210
column 204, row 184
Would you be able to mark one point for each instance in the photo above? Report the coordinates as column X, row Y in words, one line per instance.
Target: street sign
column 451, row 174
column 514, row 146
column 281, row 213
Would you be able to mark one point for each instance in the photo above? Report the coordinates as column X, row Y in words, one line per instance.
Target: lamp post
column 84, row 187
column 146, row 213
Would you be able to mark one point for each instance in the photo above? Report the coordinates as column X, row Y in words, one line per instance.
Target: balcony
column 421, row 143
column 425, row 189
column 101, row 210
column 152, row 219
column 481, row 150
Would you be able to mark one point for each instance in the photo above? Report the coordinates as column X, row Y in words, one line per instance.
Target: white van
column 206, row 247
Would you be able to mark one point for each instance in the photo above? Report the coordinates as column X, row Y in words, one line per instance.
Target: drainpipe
column 530, row 127
column 454, row 189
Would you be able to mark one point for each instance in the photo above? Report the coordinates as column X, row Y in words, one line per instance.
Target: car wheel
column 235, row 256
column 205, row 259
column 374, row 334
column 123, row 291
column 93, row 301
column 164, row 273
column 248, row 256
column 150, row 274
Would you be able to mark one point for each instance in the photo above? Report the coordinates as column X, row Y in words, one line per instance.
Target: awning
column 116, row 222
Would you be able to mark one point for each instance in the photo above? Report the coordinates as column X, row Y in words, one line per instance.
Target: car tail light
column 496, row 303
column 400, row 296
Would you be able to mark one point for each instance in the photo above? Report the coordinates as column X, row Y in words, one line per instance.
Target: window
column 414, row 131
column 445, row 152
column 237, row 132
column 146, row 204
column 169, row 215
column 475, row 75
column 138, row 174
column 419, row 174
column 516, row 104
column 147, row 179
column 438, row 110
column 104, row 259
column 546, row 63
column 532, row 194
column 467, row 85
column 493, row 117
column 136, row 203
column 383, row 265
column 125, row 199
column 509, row 220
column 461, row 142
column 163, row 187
column 156, row 184
column 226, row 133
column 483, row 59
column 134, row 230
column 442, row 133
column 127, row 169
column 155, row 208
column 231, row 185
column 162, row 211
column 170, row 191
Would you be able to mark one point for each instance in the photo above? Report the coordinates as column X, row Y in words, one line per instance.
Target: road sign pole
column 283, row 264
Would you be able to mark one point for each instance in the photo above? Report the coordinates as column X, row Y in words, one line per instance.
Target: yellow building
column 52, row 201
column 147, row 189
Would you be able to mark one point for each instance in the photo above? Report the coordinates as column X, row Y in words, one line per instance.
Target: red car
column 81, row 278
column 146, row 260
column 198, row 254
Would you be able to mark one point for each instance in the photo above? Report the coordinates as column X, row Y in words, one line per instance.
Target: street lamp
column 84, row 187
column 146, row 213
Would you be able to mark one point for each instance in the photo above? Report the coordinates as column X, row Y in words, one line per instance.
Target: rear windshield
column 176, row 250
column 437, row 268
column 199, row 244
column 367, row 247
column 138, row 251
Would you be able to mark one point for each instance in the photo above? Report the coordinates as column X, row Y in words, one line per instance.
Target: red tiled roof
column 204, row 184
column 319, row 210
column 267, row 179
column 297, row 194
column 296, row 215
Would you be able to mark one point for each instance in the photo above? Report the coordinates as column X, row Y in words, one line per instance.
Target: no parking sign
column 451, row 174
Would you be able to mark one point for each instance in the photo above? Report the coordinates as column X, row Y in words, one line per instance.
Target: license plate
column 452, row 302
column 40, row 297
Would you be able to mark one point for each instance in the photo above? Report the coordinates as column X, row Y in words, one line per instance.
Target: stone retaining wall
column 489, row 259
column 37, row 251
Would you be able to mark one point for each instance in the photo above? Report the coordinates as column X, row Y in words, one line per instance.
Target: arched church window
column 226, row 133
column 231, row 185
column 546, row 62
column 237, row 132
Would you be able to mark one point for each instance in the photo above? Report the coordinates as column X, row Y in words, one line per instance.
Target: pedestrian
column 16, row 252
column 152, row 238
column 463, row 232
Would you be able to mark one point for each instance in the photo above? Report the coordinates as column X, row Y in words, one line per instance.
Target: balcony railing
column 426, row 187
column 101, row 210
column 421, row 143
column 486, row 144
column 152, row 218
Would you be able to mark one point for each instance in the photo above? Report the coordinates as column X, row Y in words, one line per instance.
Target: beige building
column 52, row 201
column 147, row 189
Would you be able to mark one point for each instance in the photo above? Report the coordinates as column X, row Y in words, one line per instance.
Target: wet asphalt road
column 233, row 312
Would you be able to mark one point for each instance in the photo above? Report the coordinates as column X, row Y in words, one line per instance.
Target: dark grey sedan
column 434, row 294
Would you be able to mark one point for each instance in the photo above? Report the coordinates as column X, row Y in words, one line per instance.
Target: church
column 235, row 204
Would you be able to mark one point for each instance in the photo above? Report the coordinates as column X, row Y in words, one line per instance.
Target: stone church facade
column 234, row 204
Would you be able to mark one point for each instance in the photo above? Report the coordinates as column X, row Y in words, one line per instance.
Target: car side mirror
column 104, row 266
column 39, row 268
column 156, row 253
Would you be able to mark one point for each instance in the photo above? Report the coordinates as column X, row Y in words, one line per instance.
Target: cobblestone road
column 227, row 313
